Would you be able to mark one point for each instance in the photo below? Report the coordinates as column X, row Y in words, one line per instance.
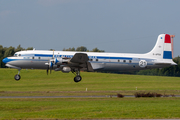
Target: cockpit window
column 17, row 55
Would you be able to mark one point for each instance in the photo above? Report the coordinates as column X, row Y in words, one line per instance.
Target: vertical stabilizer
column 163, row 48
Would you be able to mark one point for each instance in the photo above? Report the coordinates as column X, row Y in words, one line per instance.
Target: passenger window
column 96, row 59
column 130, row 61
column 124, row 60
column 32, row 57
column 39, row 57
column 19, row 54
column 118, row 60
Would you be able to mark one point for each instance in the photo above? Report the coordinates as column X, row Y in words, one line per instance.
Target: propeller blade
column 47, row 71
column 53, row 54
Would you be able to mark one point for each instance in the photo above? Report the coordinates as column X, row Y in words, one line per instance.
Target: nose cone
column 5, row 60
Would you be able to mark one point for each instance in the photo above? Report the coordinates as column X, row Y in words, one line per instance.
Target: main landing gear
column 17, row 76
column 77, row 78
column 76, row 72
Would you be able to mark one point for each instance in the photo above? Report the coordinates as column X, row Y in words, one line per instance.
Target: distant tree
column 69, row 49
column 51, row 49
column 82, row 48
column 1, row 51
column 1, row 55
column 19, row 48
column 9, row 52
column 97, row 50
column 5, row 52
column 29, row 48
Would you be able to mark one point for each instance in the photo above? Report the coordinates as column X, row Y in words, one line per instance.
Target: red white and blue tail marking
column 167, row 47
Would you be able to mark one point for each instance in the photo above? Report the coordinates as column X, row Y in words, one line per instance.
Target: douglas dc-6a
column 160, row 56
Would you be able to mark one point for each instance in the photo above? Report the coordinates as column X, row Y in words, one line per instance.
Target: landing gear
column 17, row 76
column 78, row 78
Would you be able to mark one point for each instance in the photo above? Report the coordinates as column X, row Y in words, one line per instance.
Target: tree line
column 167, row 71
column 83, row 49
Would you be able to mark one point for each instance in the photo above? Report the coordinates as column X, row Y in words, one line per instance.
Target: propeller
column 47, row 70
column 50, row 64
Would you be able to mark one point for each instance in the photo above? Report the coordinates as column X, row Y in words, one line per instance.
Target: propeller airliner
column 160, row 56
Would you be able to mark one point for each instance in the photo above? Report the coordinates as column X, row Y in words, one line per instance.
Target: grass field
column 37, row 83
column 83, row 108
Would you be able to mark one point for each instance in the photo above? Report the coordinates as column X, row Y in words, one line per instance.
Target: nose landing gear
column 17, row 76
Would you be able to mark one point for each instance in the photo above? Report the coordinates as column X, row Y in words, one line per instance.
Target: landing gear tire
column 17, row 77
column 78, row 78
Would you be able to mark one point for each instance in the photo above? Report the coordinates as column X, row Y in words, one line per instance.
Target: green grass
column 58, row 83
column 86, row 108
column 37, row 83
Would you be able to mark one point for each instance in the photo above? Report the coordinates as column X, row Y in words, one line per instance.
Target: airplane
column 67, row 61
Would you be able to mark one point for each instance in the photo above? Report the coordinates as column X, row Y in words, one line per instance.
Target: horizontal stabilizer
column 162, row 63
column 165, row 63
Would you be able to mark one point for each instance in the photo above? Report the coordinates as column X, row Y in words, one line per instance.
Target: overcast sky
column 130, row 26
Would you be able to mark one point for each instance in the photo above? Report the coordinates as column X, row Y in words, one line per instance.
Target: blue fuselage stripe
column 124, row 58
column 90, row 57
column 28, row 57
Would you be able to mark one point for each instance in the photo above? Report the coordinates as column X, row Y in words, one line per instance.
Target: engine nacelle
column 66, row 69
column 60, row 61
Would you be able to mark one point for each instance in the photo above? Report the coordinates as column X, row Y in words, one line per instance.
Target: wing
column 82, row 60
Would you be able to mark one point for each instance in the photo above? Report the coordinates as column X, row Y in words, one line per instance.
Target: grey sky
column 130, row 26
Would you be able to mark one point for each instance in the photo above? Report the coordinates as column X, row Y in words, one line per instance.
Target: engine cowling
column 60, row 61
column 66, row 69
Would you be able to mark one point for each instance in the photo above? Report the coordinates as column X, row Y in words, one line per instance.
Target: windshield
column 15, row 55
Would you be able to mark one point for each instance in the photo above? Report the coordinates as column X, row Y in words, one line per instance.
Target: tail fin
column 163, row 48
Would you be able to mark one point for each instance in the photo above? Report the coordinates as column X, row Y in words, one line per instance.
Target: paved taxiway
column 103, row 96
column 57, row 96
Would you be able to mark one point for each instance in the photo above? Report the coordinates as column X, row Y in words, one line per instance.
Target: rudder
column 167, row 47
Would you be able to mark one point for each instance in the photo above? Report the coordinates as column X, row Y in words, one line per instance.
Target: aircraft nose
column 5, row 60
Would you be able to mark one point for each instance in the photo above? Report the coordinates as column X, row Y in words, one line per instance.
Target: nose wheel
column 17, row 76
